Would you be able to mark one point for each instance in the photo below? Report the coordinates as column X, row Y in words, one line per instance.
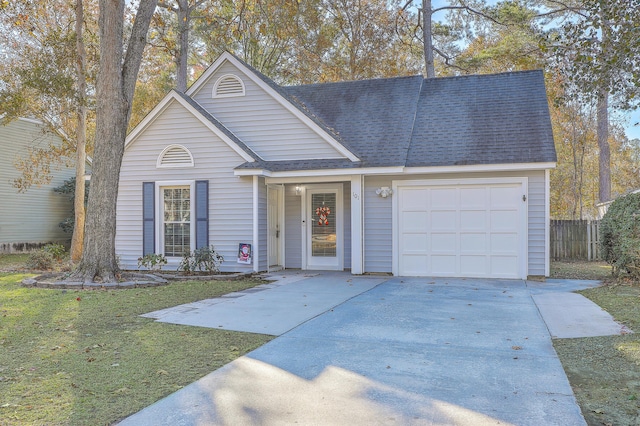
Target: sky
column 633, row 132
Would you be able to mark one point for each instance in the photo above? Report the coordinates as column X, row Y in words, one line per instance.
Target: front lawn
column 604, row 372
column 87, row 357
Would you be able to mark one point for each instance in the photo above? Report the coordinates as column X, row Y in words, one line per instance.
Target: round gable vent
column 227, row 86
column 175, row 156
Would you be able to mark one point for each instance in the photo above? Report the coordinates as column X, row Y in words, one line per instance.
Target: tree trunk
column 427, row 13
column 81, row 138
column 183, row 45
column 114, row 94
column 604, row 158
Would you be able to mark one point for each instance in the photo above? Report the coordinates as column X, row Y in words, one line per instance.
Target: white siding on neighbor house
column 292, row 228
column 378, row 240
column 262, row 123
column 32, row 218
column 230, row 197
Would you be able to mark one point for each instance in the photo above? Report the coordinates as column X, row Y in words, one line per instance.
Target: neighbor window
column 176, row 218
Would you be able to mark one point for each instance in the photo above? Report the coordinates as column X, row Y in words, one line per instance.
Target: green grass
column 88, row 358
column 10, row 262
column 581, row 270
column 604, row 372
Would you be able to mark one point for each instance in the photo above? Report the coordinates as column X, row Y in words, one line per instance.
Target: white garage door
column 461, row 229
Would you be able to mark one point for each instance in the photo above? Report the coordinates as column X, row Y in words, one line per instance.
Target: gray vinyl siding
column 263, row 232
column 377, row 220
column 292, row 227
column 537, row 224
column 29, row 219
column 378, row 240
column 261, row 122
column 230, row 197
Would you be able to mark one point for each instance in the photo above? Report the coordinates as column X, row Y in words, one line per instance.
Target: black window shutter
column 148, row 218
column 202, row 213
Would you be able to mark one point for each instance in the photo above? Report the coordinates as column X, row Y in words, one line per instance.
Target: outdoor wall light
column 298, row 190
column 384, row 191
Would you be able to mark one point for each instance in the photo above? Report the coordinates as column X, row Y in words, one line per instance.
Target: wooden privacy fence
column 575, row 240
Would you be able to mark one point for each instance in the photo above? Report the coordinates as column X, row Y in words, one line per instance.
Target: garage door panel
column 415, row 243
column 504, row 221
column 443, row 199
column 415, row 265
column 443, row 220
column 473, row 266
column 468, row 229
column 443, row 265
column 503, row 196
column 503, row 266
column 443, row 243
column 415, row 199
column 473, row 243
column 473, row 198
column 415, row 221
column 473, row 220
column 504, row 244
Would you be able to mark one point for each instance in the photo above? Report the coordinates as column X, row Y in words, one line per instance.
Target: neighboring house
column 604, row 207
column 410, row 176
column 29, row 220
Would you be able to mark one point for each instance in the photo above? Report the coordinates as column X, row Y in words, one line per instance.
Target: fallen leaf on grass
column 162, row 372
column 122, row 391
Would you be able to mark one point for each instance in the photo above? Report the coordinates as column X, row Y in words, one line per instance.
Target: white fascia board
column 506, row 167
column 164, row 104
column 281, row 177
column 275, row 95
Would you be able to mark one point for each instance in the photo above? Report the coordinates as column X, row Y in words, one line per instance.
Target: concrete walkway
column 397, row 351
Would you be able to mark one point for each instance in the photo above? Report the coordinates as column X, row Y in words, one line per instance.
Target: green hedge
column 620, row 235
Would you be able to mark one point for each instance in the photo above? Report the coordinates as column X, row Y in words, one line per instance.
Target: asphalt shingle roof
column 417, row 122
column 482, row 119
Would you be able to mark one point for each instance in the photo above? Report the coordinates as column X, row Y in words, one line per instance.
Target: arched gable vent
column 175, row 156
column 227, row 86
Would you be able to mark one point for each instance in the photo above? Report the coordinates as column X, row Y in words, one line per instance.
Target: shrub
column 152, row 261
column 202, row 259
column 68, row 188
column 40, row 260
column 57, row 251
column 620, row 235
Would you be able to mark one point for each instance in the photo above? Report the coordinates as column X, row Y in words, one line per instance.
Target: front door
column 324, row 227
column 275, row 205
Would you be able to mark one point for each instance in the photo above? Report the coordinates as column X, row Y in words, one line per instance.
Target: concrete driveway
column 403, row 351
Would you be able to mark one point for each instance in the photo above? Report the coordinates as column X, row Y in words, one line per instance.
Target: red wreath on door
column 323, row 215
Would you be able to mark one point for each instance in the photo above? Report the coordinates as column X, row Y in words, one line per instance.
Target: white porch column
column 256, row 227
column 357, row 242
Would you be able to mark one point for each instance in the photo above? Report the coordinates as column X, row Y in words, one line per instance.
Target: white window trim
column 160, row 213
column 172, row 146
column 214, row 93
